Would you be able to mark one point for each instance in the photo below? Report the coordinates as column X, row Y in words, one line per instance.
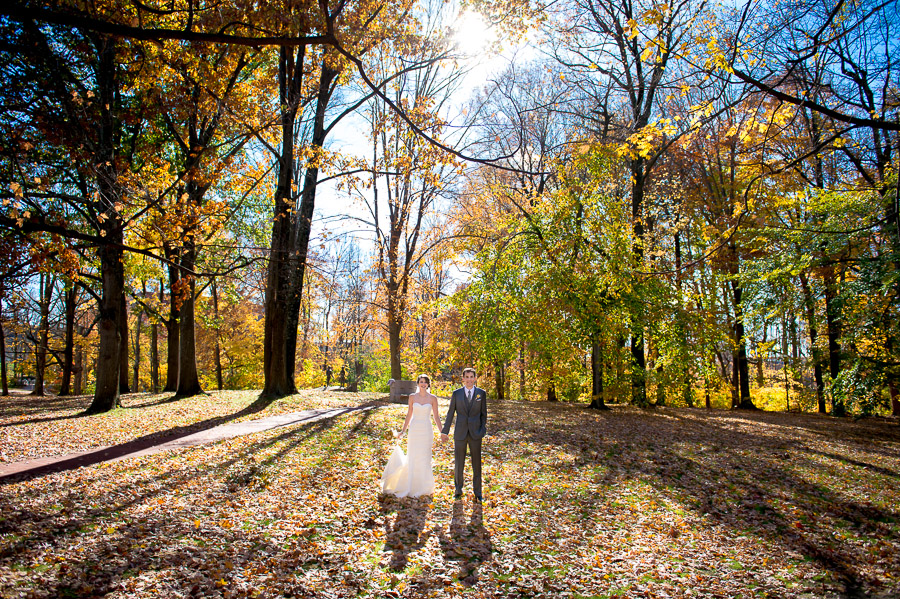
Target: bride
column 410, row 475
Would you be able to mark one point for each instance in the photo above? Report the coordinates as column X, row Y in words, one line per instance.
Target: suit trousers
column 459, row 447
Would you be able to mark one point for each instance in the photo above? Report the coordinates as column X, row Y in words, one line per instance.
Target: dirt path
column 15, row 471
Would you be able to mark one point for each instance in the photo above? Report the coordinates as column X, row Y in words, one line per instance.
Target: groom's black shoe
column 457, row 496
column 478, row 499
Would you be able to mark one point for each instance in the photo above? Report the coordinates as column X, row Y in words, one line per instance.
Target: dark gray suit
column 471, row 426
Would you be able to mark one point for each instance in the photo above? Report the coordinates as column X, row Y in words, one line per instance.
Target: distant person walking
column 328, row 372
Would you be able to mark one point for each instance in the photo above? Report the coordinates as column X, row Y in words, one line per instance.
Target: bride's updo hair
column 427, row 379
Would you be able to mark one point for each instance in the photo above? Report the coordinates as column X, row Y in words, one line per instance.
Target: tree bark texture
column 500, row 379
column 302, row 222
column 810, row 307
column 78, row 382
column 833, row 321
column 40, row 354
column 188, row 377
column 124, row 387
column 4, row 382
column 291, row 229
column 172, row 327
column 136, row 366
column 112, row 270
column 71, row 298
column 742, row 369
column 639, row 366
column 279, row 380
column 106, row 394
column 218, row 349
column 597, row 400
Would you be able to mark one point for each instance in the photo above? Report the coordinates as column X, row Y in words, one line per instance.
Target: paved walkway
column 141, row 447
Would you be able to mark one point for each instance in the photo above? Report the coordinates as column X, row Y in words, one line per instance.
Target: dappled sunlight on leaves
column 32, row 427
column 658, row 503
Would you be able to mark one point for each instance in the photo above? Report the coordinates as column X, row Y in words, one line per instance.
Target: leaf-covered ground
column 33, row 427
column 662, row 503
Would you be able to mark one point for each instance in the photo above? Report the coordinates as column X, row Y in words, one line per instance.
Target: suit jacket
column 470, row 419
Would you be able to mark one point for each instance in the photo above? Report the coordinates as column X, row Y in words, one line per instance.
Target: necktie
column 468, row 396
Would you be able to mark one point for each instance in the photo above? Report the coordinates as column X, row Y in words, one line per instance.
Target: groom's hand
column 444, row 437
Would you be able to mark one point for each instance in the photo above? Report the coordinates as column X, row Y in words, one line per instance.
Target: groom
column 470, row 406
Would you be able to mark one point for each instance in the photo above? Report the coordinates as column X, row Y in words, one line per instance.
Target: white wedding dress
column 410, row 475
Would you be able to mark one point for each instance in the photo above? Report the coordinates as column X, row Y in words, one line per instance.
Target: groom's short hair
column 469, row 369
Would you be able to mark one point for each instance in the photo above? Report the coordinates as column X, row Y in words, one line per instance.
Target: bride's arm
column 409, row 412
column 434, row 411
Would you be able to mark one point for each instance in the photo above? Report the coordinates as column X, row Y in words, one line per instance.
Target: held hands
column 444, row 437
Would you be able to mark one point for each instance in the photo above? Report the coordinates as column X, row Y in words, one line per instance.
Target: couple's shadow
column 406, row 533
column 466, row 542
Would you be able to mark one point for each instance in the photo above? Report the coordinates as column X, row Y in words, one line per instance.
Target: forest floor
column 635, row 503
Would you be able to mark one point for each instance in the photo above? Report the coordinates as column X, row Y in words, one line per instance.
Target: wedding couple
column 410, row 475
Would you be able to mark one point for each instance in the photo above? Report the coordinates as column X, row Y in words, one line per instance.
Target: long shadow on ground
column 148, row 541
column 727, row 467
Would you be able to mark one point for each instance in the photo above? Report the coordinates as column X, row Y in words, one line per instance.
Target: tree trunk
column 40, row 355
column 833, row 321
column 354, row 380
column 638, row 371
column 760, row 376
column 394, row 326
column 136, row 367
column 218, row 350
column 71, row 299
column 892, row 386
column 621, row 352
column 78, row 367
column 784, row 353
column 687, row 391
column 3, row 380
column 551, row 387
column 551, row 392
column 304, row 343
column 706, row 392
column 742, row 370
column 500, row 379
column 742, row 375
column 188, row 378
column 123, row 347
column 302, row 223
column 895, row 398
column 277, row 357
column 154, row 347
column 660, row 387
column 522, row 369
column 597, row 399
column 810, row 305
column 638, row 367
column 106, row 395
column 154, row 357
column 506, row 381
column 172, row 326
column 278, row 380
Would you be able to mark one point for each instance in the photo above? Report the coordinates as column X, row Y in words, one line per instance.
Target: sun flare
column 472, row 33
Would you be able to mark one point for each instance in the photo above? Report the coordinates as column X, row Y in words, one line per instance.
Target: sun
column 472, row 34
